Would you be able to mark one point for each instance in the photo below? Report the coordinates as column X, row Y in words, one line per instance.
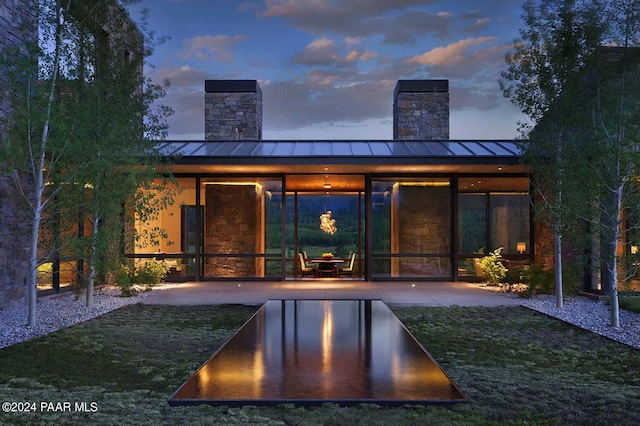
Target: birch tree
column 29, row 150
column 586, row 131
column 83, row 121
column 543, row 80
column 120, row 123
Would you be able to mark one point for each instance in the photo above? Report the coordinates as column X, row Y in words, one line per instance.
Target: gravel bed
column 59, row 311
column 63, row 310
column 591, row 315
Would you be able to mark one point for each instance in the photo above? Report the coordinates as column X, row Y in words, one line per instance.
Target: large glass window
column 492, row 213
column 411, row 228
column 305, row 236
column 171, row 236
column 510, row 222
column 472, row 220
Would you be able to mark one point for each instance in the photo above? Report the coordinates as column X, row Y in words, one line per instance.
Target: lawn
column 519, row 368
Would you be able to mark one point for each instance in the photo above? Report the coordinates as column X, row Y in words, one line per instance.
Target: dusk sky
column 328, row 68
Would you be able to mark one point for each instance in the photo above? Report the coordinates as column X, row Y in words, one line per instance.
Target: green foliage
column 630, row 303
column 148, row 273
column 151, row 272
column 492, row 268
column 537, row 280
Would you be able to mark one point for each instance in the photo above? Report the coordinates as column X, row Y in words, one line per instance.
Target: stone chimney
column 232, row 110
column 421, row 110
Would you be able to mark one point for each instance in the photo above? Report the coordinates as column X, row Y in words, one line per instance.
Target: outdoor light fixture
column 521, row 247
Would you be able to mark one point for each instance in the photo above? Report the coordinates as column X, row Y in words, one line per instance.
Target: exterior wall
column 232, row 110
column 14, row 242
column 421, row 110
column 234, row 223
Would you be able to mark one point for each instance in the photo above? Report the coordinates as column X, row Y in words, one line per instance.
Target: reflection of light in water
column 327, row 336
column 258, row 371
column 232, row 376
column 327, row 348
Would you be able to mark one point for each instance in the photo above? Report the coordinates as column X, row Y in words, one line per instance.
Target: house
column 418, row 207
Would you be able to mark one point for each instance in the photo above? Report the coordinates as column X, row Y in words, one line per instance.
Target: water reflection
column 320, row 350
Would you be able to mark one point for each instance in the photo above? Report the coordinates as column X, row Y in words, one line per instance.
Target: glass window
column 472, row 223
column 510, row 222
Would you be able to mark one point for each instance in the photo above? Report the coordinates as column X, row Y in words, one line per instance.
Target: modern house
column 418, row 207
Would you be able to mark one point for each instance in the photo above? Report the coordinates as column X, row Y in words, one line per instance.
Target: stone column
column 234, row 224
column 420, row 225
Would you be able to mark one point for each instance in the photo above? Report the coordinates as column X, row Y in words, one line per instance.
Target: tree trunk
column 39, row 181
column 612, row 260
column 558, row 262
column 92, row 259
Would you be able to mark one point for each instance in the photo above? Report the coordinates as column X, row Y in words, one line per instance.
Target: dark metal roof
column 344, row 151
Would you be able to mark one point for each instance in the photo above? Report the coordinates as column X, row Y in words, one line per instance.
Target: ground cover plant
column 518, row 367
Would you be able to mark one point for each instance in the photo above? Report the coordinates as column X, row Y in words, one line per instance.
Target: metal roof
column 342, row 151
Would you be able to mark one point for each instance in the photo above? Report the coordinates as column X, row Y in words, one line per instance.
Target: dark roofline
column 343, row 151
column 232, row 86
column 421, row 86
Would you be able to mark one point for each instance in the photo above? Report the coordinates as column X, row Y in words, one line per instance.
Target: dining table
column 327, row 265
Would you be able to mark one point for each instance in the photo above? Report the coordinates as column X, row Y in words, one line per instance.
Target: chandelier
column 327, row 223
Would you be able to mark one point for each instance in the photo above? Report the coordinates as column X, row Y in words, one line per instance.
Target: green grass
column 519, row 368
column 630, row 303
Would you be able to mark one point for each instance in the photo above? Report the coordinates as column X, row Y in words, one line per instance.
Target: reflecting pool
column 315, row 351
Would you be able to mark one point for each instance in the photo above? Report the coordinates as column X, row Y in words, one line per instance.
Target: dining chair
column 304, row 269
column 348, row 270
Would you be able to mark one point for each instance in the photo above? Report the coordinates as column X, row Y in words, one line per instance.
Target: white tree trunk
column 38, row 170
column 614, row 232
column 92, row 260
column 558, row 263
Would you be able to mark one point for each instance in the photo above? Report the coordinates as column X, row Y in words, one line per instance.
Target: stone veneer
column 14, row 241
column 420, row 224
column 234, row 224
column 421, row 110
column 232, row 110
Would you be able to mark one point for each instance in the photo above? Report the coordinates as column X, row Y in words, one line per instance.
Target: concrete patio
column 393, row 293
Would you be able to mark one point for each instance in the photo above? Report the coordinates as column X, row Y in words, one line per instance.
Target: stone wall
column 232, row 110
column 421, row 110
column 14, row 16
column 14, row 245
column 420, row 224
column 234, row 224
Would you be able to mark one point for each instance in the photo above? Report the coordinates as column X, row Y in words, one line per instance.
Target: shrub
column 492, row 268
column 537, row 280
column 149, row 273
column 122, row 276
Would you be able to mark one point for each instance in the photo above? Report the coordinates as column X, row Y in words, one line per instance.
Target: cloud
column 450, row 55
column 206, row 47
column 367, row 55
column 322, row 98
column 180, row 76
column 396, row 21
column 326, row 52
column 477, row 26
